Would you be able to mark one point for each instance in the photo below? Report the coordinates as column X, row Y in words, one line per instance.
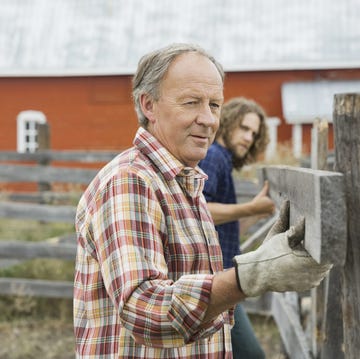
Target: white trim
column 279, row 66
column 297, row 140
column 26, row 137
column 272, row 124
column 130, row 70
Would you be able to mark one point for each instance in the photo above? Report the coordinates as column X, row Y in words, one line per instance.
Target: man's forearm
column 225, row 294
column 223, row 213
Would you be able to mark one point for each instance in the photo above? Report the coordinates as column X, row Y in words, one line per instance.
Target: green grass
column 17, row 307
column 26, row 230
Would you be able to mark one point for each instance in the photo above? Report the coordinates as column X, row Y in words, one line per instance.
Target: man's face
column 243, row 136
column 186, row 116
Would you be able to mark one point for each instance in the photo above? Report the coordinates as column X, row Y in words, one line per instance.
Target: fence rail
column 17, row 206
column 46, row 156
column 39, row 212
column 38, row 173
column 36, row 287
column 31, row 250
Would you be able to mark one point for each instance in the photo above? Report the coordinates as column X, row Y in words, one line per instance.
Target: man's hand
column 281, row 263
column 262, row 204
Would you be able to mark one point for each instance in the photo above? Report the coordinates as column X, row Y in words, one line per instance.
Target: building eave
column 129, row 71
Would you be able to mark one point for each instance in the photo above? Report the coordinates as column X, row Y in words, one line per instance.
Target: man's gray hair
column 152, row 68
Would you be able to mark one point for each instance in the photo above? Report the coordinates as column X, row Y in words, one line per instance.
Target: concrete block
column 319, row 196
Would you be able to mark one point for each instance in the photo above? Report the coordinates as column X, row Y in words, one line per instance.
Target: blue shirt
column 220, row 188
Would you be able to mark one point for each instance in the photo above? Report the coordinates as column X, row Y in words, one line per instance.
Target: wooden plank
column 30, row 250
column 46, row 197
column 347, row 149
column 319, row 144
column 36, row 288
column 34, row 173
column 332, row 335
column 319, row 152
column 6, row 263
column 291, row 332
column 319, row 197
column 40, row 212
column 62, row 156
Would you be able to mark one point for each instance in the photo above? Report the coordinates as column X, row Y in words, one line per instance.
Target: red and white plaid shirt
column 147, row 252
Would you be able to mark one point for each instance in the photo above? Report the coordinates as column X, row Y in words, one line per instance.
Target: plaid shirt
column 220, row 188
column 147, row 253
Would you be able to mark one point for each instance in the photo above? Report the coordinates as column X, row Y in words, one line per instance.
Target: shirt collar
column 169, row 166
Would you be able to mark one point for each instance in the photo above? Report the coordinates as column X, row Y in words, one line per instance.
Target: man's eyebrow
column 217, row 99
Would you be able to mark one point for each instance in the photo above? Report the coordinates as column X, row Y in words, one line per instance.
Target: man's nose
column 206, row 117
column 248, row 135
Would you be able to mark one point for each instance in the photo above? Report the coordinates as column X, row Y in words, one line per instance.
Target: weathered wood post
column 346, row 117
column 326, row 316
column 43, row 136
column 43, row 145
column 319, row 154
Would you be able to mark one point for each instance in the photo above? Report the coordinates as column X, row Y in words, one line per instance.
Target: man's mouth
column 201, row 139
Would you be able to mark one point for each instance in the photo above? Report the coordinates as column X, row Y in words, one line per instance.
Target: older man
column 149, row 280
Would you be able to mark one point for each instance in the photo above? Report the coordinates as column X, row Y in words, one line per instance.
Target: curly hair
column 232, row 115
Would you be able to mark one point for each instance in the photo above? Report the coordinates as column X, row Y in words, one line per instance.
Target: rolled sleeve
column 190, row 302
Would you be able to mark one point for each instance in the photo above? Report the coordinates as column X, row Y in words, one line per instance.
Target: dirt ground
column 269, row 336
column 52, row 339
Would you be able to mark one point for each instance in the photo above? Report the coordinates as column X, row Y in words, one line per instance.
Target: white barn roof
column 89, row 37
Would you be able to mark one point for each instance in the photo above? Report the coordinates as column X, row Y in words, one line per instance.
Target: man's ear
column 147, row 106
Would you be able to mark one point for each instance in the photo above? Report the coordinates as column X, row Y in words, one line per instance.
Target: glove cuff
column 237, row 274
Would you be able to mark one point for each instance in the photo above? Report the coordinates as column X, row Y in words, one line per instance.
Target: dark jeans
column 244, row 342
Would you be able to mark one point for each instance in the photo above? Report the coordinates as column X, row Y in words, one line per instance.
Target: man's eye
column 214, row 105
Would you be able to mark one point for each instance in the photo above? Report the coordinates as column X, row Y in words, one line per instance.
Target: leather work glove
column 281, row 263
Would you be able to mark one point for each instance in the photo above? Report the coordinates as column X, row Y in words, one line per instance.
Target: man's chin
column 240, row 154
column 201, row 154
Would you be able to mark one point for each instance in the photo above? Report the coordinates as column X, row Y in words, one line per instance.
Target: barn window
column 27, row 130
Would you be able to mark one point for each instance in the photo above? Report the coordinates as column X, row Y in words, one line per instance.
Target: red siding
column 83, row 112
column 97, row 112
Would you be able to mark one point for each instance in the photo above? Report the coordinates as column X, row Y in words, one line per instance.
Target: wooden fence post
column 44, row 144
column 346, row 117
column 43, row 136
column 326, row 315
column 319, row 152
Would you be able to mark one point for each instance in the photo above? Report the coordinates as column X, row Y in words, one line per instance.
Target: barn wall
column 97, row 112
column 83, row 112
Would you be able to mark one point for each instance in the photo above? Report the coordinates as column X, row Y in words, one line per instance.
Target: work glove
column 281, row 263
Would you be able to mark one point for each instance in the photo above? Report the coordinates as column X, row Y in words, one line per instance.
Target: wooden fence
column 333, row 308
column 36, row 168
